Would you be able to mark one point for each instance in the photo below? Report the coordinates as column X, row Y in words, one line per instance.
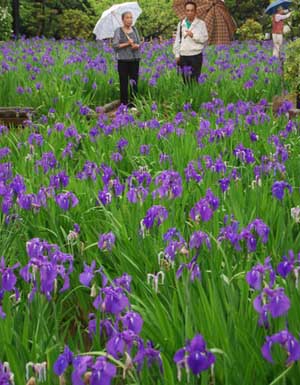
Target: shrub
column 292, row 66
column 5, row 24
column 250, row 30
column 75, row 24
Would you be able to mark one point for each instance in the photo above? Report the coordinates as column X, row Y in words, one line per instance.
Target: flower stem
column 281, row 375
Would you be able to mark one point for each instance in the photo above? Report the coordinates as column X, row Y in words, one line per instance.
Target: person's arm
column 200, row 34
column 279, row 17
column 176, row 46
column 116, row 41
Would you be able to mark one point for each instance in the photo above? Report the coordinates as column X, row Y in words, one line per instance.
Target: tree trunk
column 44, row 16
column 16, row 17
column 298, row 100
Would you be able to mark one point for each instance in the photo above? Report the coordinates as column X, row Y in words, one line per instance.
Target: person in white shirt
column 277, row 30
column 191, row 38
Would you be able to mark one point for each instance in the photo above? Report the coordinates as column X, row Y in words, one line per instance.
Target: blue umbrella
column 277, row 3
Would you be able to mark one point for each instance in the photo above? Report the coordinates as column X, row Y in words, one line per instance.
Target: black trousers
column 190, row 67
column 128, row 75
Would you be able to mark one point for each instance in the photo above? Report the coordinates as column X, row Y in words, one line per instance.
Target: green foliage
column 249, row 9
column 5, row 24
column 292, row 65
column 295, row 21
column 250, row 30
column 41, row 17
column 75, row 24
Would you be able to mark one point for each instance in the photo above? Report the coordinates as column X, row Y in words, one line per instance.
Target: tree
column 16, row 17
column 41, row 17
column 248, row 9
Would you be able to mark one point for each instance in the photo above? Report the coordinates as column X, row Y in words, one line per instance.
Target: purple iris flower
column 170, row 185
column 144, row 149
column 90, row 171
column 8, row 282
column 253, row 137
column 51, row 263
column 8, row 279
column 102, row 372
column 111, row 300
column 5, row 171
column 175, row 243
column 164, row 158
column 47, row 162
column 124, row 282
column 285, row 107
column 244, row 154
column 64, row 360
column 205, row 208
column 258, row 273
column 147, row 353
column 198, row 238
column 248, row 84
column 104, row 196
column 273, row 302
column 132, row 321
column 68, row 151
column 59, row 126
column 278, row 189
column 18, row 184
column 193, row 269
column 106, row 241
column 59, row 180
column 66, row 200
column 116, row 157
column 81, row 365
column 173, row 247
column 107, row 174
column 137, row 194
column 88, row 274
column 36, row 139
column 6, row 376
column 224, row 184
column 287, row 341
column 289, row 264
column 261, row 230
column 122, row 143
column 195, row 356
column 171, row 234
column 4, row 151
column 156, row 212
column 194, row 171
column 121, row 342
column 117, row 187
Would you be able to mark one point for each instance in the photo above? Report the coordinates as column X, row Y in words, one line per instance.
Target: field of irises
column 161, row 247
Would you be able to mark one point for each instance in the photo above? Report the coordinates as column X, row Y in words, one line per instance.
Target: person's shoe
column 133, row 109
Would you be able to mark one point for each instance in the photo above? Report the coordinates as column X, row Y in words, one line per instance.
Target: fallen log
column 294, row 113
column 111, row 106
column 106, row 108
column 15, row 116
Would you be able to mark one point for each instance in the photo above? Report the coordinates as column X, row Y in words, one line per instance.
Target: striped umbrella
column 219, row 22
